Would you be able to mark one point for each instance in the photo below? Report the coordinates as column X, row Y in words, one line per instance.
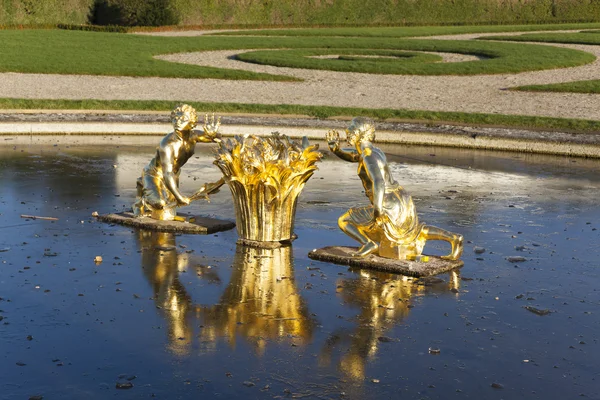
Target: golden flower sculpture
column 266, row 176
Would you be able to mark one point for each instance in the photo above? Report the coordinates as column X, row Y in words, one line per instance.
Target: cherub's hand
column 211, row 127
column 333, row 139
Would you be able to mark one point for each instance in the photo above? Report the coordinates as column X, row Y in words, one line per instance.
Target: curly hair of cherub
column 183, row 109
column 361, row 129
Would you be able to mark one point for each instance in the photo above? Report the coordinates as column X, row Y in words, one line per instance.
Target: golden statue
column 266, row 176
column 389, row 227
column 158, row 194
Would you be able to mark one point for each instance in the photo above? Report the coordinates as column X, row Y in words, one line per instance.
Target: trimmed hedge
column 134, row 13
column 93, row 28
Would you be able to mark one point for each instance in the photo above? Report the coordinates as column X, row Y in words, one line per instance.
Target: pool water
column 197, row 316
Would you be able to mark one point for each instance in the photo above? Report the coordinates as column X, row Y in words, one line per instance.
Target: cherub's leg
column 455, row 240
column 154, row 193
column 350, row 228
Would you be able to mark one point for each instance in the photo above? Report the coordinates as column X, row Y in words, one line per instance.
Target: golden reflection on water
column 261, row 303
column 384, row 301
column 161, row 264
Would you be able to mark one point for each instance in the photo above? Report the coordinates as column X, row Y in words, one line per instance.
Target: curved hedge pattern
column 495, row 58
column 344, row 60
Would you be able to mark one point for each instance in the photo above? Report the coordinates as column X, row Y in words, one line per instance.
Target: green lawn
column 585, row 37
column 564, row 124
column 592, row 87
column 588, row 37
column 99, row 53
column 117, row 54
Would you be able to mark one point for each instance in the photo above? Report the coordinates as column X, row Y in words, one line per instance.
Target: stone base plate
column 202, row 225
column 264, row 245
column 341, row 255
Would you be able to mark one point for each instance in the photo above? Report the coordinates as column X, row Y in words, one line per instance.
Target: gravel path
column 480, row 93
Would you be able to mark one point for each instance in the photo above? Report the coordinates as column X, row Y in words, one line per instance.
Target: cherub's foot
column 138, row 211
column 366, row 249
column 457, row 248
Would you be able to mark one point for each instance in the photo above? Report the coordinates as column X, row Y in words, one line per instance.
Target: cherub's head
column 360, row 130
column 184, row 117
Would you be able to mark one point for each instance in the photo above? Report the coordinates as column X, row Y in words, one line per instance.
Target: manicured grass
column 564, row 124
column 100, row 53
column 592, row 38
column 592, row 86
column 403, row 31
column 117, row 54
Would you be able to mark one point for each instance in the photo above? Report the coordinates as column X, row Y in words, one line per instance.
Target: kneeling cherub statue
column 389, row 227
column 158, row 194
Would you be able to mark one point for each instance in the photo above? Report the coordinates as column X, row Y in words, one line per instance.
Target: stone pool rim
column 40, row 123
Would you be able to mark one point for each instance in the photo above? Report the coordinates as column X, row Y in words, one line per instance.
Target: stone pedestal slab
column 196, row 225
column 341, row 255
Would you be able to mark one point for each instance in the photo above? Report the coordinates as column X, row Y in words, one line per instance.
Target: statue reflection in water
column 384, row 301
column 260, row 303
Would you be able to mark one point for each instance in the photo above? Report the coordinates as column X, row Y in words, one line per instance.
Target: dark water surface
column 214, row 320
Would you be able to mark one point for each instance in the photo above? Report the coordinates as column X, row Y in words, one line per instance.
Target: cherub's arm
column 375, row 172
column 333, row 140
column 207, row 189
column 167, row 161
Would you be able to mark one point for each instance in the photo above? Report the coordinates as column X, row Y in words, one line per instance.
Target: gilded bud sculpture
column 266, row 176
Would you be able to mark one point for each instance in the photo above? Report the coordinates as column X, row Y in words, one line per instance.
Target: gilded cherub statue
column 158, row 194
column 389, row 227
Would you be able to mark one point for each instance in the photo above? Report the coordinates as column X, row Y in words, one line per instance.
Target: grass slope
column 322, row 12
column 352, row 12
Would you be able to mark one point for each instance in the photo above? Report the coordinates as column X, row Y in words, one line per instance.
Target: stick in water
column 36, row 217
